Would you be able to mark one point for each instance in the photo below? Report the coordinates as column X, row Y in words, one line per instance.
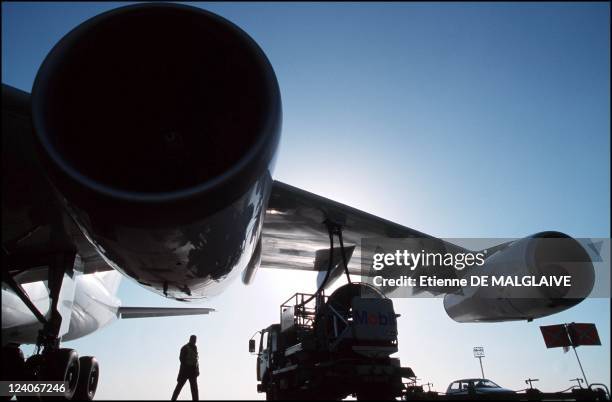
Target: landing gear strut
column 50, row 362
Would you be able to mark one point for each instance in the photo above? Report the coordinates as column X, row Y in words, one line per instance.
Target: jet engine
column 547, row 254
column 157, row 126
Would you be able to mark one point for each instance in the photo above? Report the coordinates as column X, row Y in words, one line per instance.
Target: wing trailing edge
column 149, row 312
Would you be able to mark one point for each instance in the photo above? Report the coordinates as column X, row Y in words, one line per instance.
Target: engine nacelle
column 158, row 126
column 543, row 254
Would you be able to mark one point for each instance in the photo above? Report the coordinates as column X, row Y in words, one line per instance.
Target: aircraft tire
column 63, row 365
column 13, row 366
column 32, row 372
column 89, row 373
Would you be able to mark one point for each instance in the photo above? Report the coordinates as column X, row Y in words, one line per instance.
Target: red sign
column 583, row 334
column 555, row 336
column 565, row 335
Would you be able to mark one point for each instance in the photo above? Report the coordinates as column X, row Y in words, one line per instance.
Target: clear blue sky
column 459, row 120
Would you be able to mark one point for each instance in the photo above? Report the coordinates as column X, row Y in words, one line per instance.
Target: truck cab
column 268, row 349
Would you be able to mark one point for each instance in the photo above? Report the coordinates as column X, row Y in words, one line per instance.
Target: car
column 475, row 385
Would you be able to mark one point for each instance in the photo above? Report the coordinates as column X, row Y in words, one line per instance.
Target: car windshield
column 486, row 384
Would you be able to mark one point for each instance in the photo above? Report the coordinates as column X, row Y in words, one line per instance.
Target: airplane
column 146, row 150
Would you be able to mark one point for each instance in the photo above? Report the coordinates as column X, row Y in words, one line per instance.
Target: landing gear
column 88, row 378
column 62, row 365
column 13, row 365
column 33, row 368
column 13, row 362
column 50, row 362
column 53, row 365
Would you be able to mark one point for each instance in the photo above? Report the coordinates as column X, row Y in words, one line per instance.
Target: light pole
column 479, row 354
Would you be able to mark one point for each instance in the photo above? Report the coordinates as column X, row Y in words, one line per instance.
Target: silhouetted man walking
column 189, row 369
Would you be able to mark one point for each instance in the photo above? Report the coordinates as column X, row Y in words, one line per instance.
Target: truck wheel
column 275, row 394
column 375, row 396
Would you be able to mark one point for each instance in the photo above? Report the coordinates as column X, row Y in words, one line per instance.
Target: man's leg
column 178, row 388
column 193, row 383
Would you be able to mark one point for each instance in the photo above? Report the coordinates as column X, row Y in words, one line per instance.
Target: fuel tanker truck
column 330, row 347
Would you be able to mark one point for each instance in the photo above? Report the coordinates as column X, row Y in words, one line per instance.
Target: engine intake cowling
column 158, row 125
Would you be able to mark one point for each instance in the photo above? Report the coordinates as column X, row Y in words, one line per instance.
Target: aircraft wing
column 148, row 312
column 295, row 235
column 27, row 253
